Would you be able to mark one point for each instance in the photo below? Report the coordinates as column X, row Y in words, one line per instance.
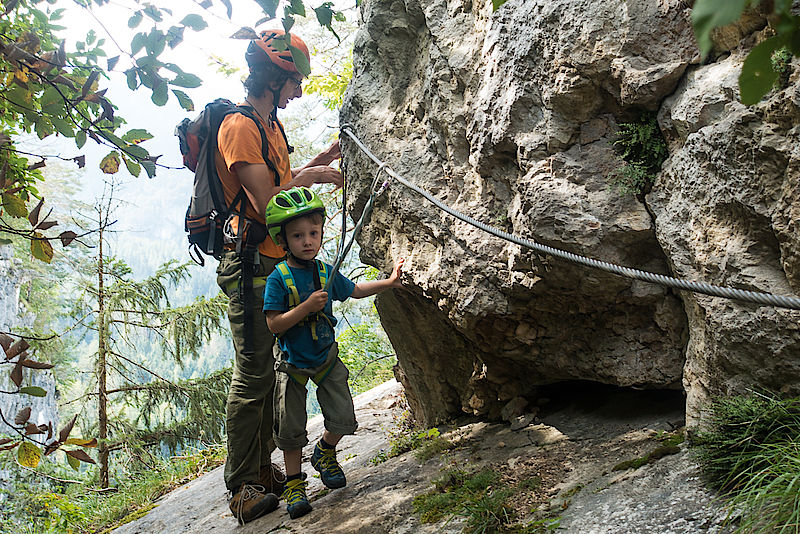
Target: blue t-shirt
column 299, row 345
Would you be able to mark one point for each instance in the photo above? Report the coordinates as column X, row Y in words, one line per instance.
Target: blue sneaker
column 324, row 461
column 296, row 500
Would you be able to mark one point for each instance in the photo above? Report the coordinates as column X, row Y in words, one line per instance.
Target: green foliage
column 751, row 450
column 72, row 508
column 50, row 90
column 758, row 74
column 331, row 86
column 477, row 496
column 782, row 64
column 405, row 435
column 496, row 4
column 642, row 147
column 366, row 352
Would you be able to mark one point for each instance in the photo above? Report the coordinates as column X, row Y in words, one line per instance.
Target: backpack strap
column 288, row 281
column 249, row 112
column 320, row 278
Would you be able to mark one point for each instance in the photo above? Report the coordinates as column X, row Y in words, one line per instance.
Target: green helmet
column 288, row 205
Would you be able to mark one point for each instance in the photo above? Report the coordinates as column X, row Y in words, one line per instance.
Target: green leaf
column 29, row 454
column 710, row 14
column 187, row 80
column 138, row 42
column 288, row 21
column 14, row 206
column 131, row 75
column 41, row 248
column 137, row 135
column 43, row 127
column 156, row 42
column 298, row 8
column 80, row 138
column 300, row 61
column 153, row 12
column 184, row 100
column 134, row 168
column 324, row 15
column 63, row 127
column 135, row 19
column 90, row 37
column 137, row 152
column 74, row 463
column 195, row 22
column 270, row 7
column 150, row 168
column 496, row 4
column 175, row 36
column 33, row 391
column 758, row 75
column 160, row 93
column 51, row 100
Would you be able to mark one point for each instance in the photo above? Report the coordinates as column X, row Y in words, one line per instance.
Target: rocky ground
column 563, row 460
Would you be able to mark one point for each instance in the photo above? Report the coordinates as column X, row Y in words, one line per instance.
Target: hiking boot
column 272, row 478
column 296, row 500
column 251, row 501
column 324, row 461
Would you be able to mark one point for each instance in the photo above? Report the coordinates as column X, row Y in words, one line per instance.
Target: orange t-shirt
column 239, row 141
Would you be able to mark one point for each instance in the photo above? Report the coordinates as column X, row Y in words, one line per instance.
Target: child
column 300, row 314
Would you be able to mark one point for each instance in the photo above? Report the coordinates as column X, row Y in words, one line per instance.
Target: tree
column 48, row 90
column 119, row 312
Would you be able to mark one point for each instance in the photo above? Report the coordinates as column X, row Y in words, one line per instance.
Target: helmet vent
column 282, row 202
column 296, row 197
column 307, row 194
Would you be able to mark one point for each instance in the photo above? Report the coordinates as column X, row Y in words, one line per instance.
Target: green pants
column 333, row 395
column 249, row 416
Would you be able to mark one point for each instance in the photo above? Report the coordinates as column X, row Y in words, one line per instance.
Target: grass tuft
column 751, row 451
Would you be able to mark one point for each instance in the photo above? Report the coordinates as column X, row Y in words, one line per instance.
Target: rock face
column 727, row 207
column 12, row 318
column 510, row 117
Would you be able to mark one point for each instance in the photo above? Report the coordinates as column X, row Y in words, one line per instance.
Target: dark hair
column 263, row 78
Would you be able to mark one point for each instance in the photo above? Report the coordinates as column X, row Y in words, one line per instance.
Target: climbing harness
column 767, row 299
column 320, row 279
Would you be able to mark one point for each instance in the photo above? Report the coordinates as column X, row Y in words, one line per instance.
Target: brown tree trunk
column 102, row 414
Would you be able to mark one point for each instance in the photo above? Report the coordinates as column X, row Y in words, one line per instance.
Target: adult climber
column 274, row 80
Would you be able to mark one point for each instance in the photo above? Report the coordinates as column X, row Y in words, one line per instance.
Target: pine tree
column 136, row 406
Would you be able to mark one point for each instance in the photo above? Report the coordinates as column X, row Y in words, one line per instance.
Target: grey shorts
column 333, row 395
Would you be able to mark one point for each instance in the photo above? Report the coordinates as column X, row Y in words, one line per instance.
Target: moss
column 133, row 516
column 655, row 454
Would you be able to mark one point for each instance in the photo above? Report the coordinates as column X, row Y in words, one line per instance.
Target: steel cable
column 768, row 299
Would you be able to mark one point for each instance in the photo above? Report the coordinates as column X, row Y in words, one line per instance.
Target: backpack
column 208, row 212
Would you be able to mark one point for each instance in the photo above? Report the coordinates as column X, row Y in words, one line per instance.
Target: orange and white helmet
column 263, row 50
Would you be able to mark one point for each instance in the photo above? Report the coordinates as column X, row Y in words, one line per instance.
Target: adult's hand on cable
column 321, row 174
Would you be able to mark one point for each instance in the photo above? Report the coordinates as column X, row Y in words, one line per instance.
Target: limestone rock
column 509, row 117
column 727, row 207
